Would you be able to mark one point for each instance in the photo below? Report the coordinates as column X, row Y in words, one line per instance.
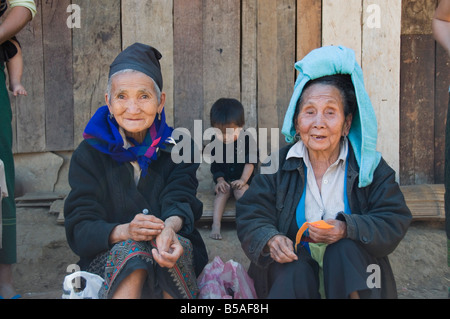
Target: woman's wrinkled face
column 321, row 120
column 134, row 102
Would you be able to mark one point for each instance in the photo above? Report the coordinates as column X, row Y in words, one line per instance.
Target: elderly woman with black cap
column 131, row 211
column 324, row 224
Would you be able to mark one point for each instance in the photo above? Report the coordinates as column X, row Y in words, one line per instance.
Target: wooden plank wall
column 244, row 49
column 236, row 48
column 425, row 78
column 377, row 49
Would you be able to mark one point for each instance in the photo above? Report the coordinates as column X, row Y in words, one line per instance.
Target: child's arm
column 247, row 172
column 441, row 24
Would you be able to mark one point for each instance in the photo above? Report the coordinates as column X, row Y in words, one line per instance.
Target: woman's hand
column 281, row 249
column 169, row 249
column 329, row 236
column 141, row 228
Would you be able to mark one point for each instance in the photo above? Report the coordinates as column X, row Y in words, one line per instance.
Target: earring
column 159, row 116
column 111, row 116
column 297, row 137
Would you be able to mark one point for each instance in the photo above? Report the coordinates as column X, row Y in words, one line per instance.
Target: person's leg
column 238, row 193
column 8, row 254
column 296, row 280
column 131, row 286
column 220, row 202
column 6, row 282
column 345, row 271
column 447, row 183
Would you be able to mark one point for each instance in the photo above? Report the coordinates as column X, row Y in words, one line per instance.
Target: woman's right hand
column 281, row 249
column 141, row 228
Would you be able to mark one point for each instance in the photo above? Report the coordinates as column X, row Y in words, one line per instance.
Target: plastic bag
column 72, row 285
column 220, row 280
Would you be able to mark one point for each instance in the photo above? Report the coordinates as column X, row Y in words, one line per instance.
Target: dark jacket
column 242, row 155
column 379, row 219
column 104, row 195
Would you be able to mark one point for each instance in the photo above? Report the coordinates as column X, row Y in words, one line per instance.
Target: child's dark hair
column 343, row 82
column 227, row 111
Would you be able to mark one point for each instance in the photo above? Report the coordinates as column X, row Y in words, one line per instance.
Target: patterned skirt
column 124, row 258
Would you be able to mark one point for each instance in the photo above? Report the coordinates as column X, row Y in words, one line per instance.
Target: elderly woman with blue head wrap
column 131, row 211
column 330, row 172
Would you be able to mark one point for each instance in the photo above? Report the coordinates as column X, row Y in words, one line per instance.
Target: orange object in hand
column 319, row 224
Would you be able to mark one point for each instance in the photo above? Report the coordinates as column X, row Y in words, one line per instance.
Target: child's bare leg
column 238, row 193
column 15, row 72
column 219, row 207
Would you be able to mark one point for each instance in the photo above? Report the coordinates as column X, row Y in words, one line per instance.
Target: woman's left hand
column 331, row 235
column 169, row 249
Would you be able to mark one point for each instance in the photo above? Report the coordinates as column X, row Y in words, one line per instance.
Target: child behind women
column 14, row 64
column 232, row 179
column 12, row 55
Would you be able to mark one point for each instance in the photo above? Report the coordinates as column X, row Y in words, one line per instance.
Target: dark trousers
column 345, row 267
column 296, row 280
column 8, row 254
column 447, row 182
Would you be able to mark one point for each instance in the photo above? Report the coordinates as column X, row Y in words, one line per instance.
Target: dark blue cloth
column 102, row 132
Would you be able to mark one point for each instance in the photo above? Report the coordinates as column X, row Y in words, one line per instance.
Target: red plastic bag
column 225, row 281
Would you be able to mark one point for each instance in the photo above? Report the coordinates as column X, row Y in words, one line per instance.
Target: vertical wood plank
column 417, row 93
column 309, row 26
column 188, row 63
column 417, row 110
column 30, row 110
column 58, row 76
column 441, row 109
column 286, row 48
column 276, row 59
column 249, row 64
column 151, row 22
column 267, row 67
column 342, row 24
column 95, row 46
column 417, row 16
column 381, row 64
column 221, row 52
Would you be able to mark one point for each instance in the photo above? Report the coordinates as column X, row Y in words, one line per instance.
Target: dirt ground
column 419, row 263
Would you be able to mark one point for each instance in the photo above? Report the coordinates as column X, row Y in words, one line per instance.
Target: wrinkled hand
column 281, row 249
column 329, row 236
column 144, row 227
column 168, row 250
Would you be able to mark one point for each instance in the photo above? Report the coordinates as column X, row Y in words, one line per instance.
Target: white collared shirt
column 328, row 202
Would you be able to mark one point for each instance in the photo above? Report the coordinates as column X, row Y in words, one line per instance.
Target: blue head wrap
column 363, row 134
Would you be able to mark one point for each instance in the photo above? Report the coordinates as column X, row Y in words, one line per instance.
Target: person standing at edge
column 21, row 12
column 441, row 32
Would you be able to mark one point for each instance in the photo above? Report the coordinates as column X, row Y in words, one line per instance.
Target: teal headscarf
column 363, row 134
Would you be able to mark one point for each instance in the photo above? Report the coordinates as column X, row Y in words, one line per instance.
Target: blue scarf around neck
column 102, row 133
